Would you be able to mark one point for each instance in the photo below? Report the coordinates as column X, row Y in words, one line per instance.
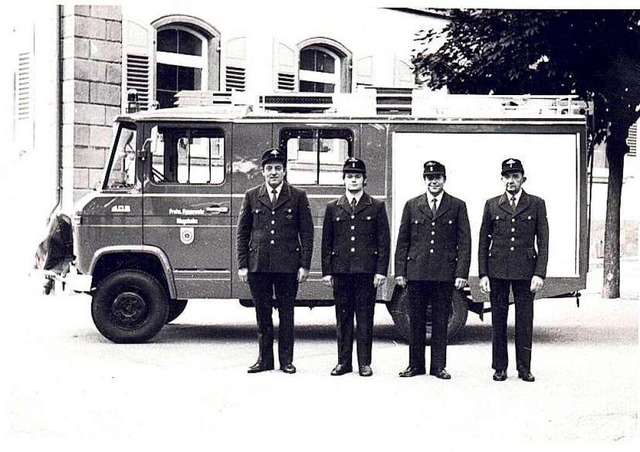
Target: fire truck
column 160, row 228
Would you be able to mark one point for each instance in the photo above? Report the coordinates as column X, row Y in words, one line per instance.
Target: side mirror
column 145, row 152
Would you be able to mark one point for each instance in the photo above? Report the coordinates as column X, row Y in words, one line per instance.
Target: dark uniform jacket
column 275, row 240
column 507, row 247
column 355, row 242
column 433, row 248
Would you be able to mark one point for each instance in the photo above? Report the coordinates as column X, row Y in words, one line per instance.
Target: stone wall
column 91, row 92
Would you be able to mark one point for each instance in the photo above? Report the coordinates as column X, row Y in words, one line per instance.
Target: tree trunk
column 616, row 150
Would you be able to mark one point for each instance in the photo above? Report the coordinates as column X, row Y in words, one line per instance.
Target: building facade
column 75, row 67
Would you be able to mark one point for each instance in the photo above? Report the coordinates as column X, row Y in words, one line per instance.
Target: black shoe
column 500, row 375
column 412, row 372
column 341, row 369
column 365, row 371
column 288, row 368
column 259, row 367
column 441, row 374
column 526, row 376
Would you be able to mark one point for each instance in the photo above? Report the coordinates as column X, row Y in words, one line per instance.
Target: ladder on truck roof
column 390, row 102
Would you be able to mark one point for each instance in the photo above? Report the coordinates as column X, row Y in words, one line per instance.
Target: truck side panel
column 554, row 161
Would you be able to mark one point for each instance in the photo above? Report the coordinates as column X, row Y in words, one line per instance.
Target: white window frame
column 323, row 77
column 192, row 61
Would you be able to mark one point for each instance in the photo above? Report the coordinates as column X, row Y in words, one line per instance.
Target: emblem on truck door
column 187, row 235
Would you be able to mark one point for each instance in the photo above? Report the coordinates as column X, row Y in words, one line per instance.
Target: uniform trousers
column 438, row 295
column 499, row 297
column 263, row 287
column 354, row 293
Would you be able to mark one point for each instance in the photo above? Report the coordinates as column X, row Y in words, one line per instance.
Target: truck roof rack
column 387, row 101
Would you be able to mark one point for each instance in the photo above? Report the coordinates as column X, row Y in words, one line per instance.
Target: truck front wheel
column 129, row 306
column 398, row 307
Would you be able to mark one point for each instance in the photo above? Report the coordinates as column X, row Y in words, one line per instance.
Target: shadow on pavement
column 470, row 334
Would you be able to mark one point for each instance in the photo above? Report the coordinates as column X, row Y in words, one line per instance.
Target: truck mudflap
column 54, row 257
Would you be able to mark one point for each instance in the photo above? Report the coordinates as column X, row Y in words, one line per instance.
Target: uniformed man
column 355, row 257
column 433, row 254
column 275, row 242
column 508, row 258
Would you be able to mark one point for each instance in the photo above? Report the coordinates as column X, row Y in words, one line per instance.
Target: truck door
column 315, row 156
column 187, row 206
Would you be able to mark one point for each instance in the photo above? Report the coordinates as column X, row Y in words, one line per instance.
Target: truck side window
column 188, row 156
column 121, row 169
column 316, row 156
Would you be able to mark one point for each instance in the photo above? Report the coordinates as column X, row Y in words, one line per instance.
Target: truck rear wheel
column 398, row 308
column 176, row 307
column 129, row 306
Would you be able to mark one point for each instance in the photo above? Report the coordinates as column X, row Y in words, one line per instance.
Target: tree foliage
column 592, row 53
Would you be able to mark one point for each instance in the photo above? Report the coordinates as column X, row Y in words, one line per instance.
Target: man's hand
column 327, row 280
column 243, row 275
column 536, row 283
column 401, row 281
column 303, row 274
column 485, row 286
column 460, row 283
column 379, row 280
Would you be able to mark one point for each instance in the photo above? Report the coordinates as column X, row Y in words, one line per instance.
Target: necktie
column 353, row 204
column 513, row 203
column 434, row 207
column 274, row 197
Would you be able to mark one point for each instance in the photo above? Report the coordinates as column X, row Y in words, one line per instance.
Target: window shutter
column 138, row 63
column 235, row 64
column 286, row 67
column 403, row 75
column 632, row 139
column 24, row 92
column 364, row 71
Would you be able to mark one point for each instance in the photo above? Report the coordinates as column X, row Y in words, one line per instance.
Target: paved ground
column 66, row 385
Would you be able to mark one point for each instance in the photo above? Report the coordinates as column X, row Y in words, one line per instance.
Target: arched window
column 181, row 63
column 187, row 57
column 324, row 67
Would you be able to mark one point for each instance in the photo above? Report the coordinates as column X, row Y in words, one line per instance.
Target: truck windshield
column 121, row 169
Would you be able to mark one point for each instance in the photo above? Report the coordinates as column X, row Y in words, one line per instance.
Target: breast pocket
column 366, row 224
column 290, row 214
column 258, row 217
column 499, row 223
column 528, row 221
column 417, row 226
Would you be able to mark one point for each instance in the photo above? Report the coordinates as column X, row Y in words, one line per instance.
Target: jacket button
column 513, row 229
column 416, row 222
column 273, row 212
column 513, row 220
column 433, row 223
column 431, row 250
column 273, row 241
column 513, row 239
column 352, row 228
column 352, row 217
column 432, row 241
column 353, row 250
column 353, row 239
column 273, row 221
column 512, row 248
column 273, row 232
column 433, row 232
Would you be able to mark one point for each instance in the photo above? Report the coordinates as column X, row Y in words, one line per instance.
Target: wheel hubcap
column 129, row 309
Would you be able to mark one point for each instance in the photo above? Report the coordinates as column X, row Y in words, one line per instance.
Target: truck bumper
column 69, row 281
